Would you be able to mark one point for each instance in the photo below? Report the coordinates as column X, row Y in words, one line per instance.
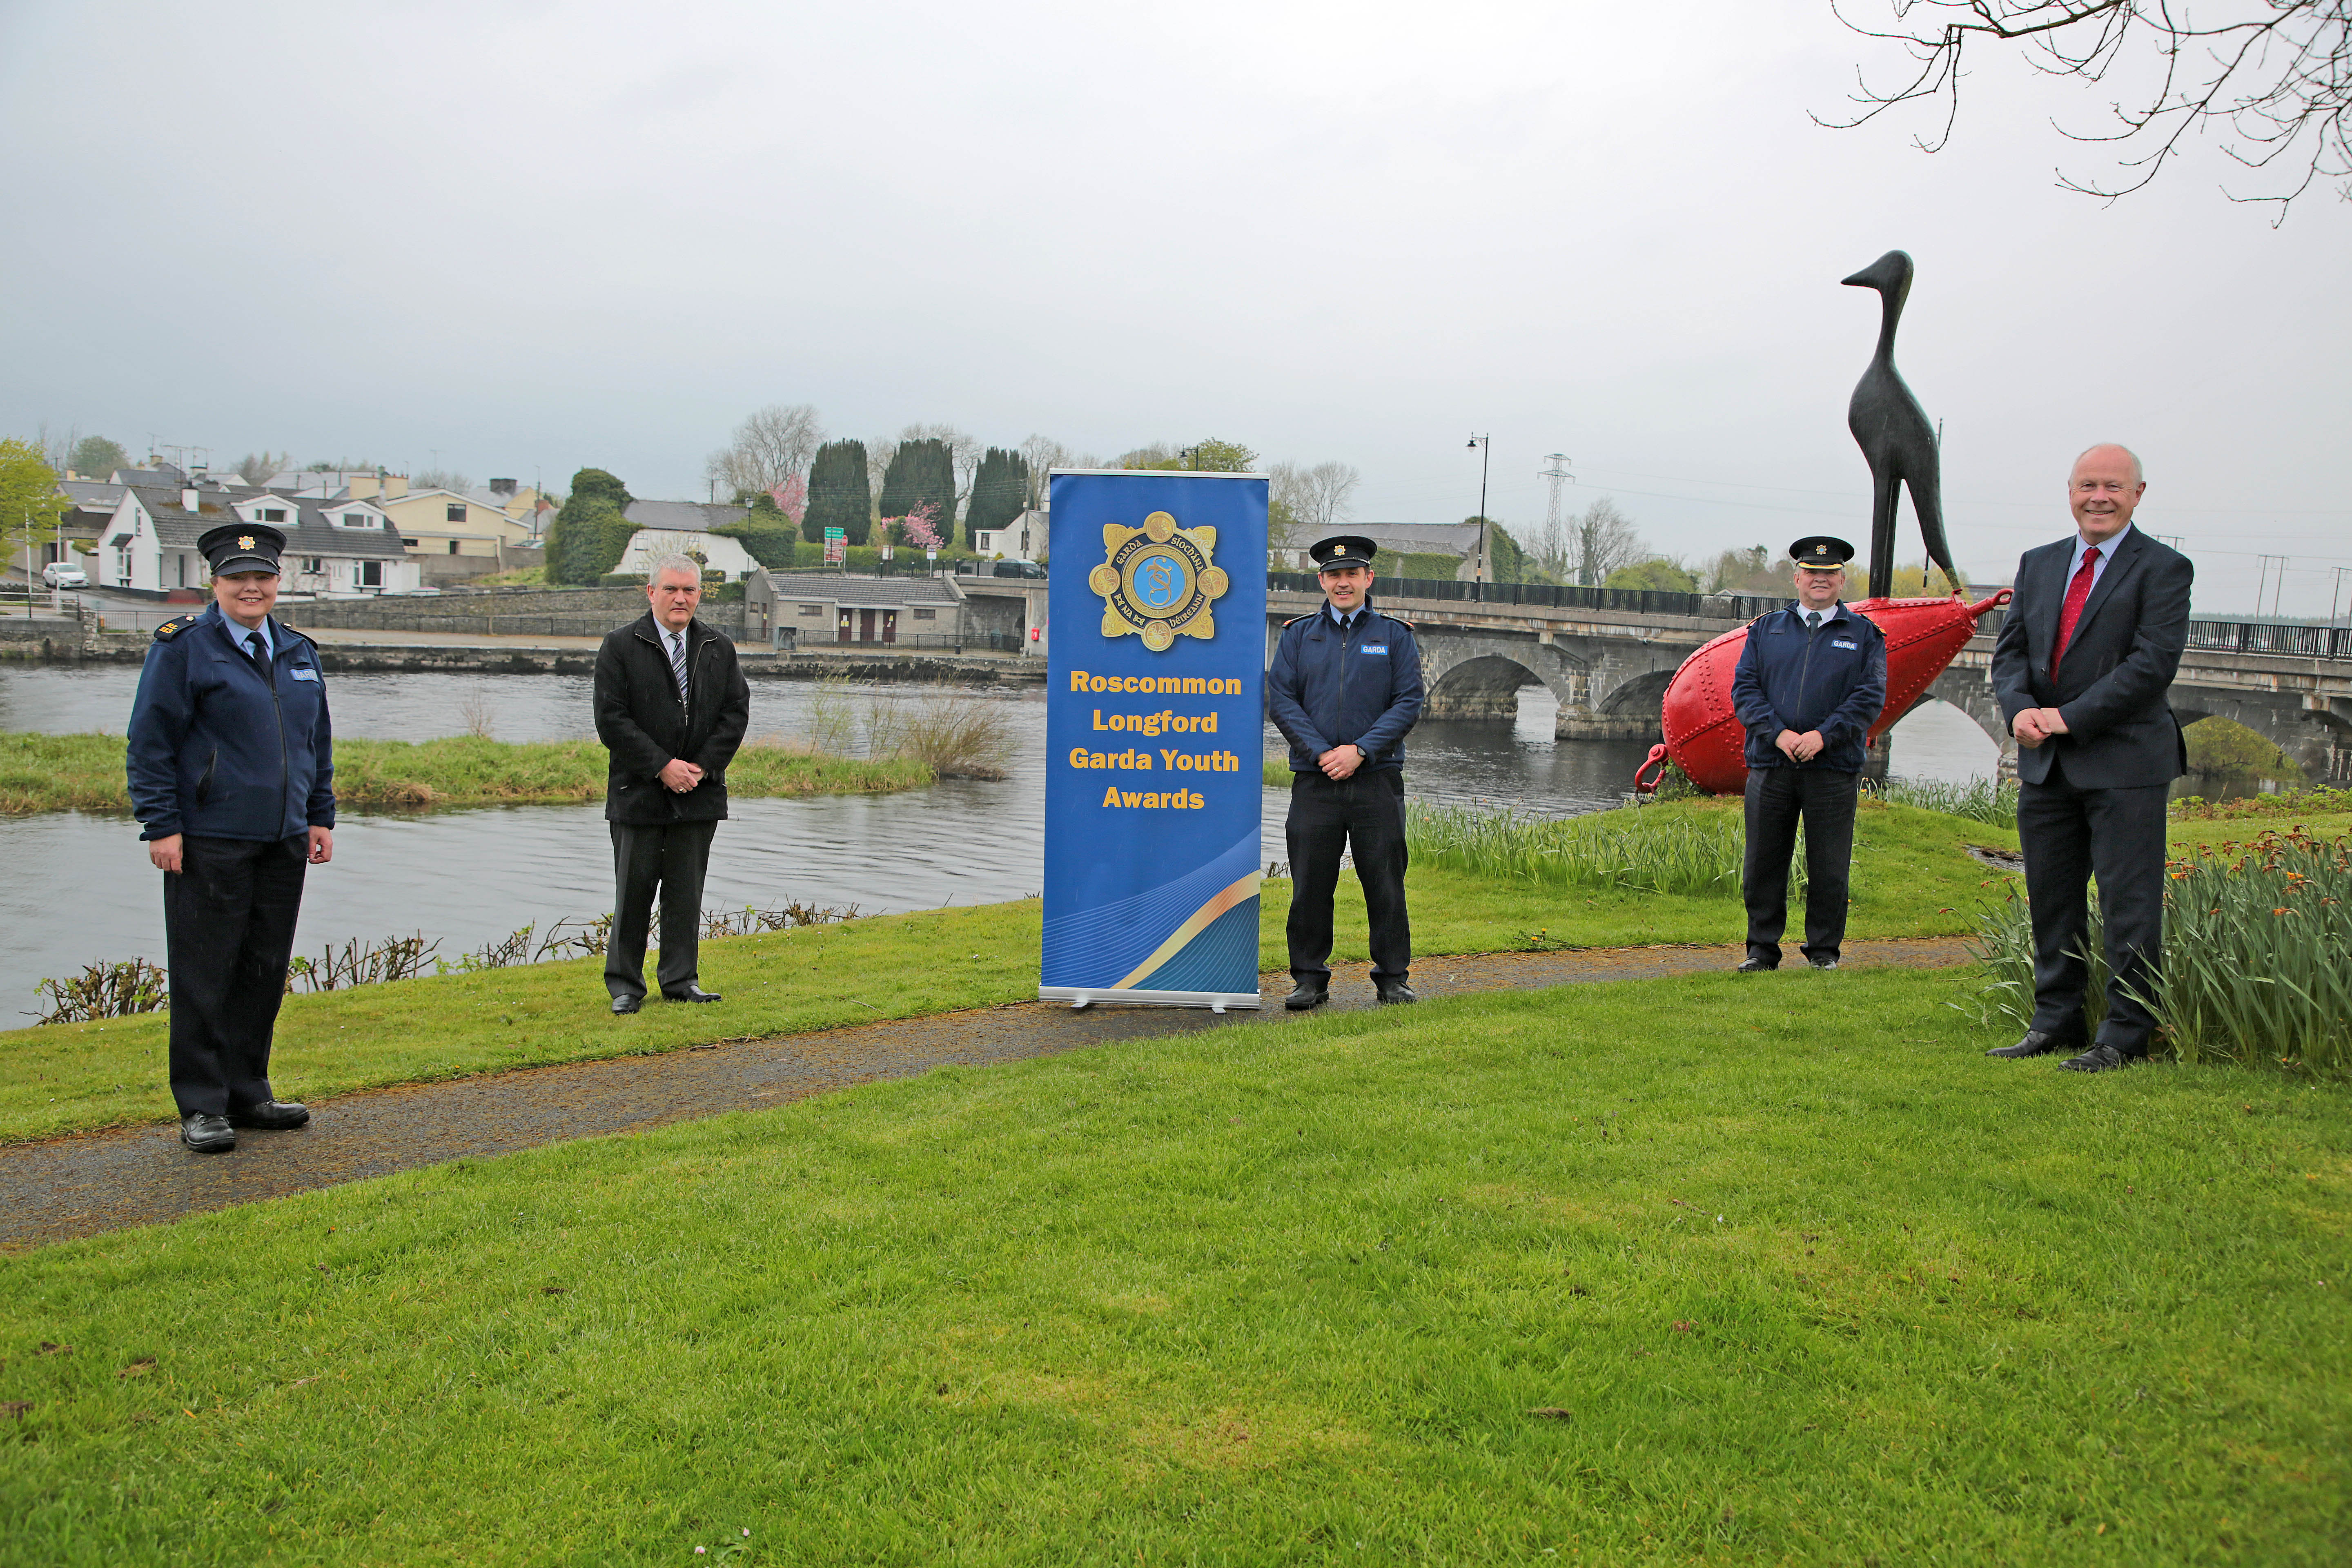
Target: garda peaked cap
column 241, row 547
column 1820, row 552
column 1342, row 551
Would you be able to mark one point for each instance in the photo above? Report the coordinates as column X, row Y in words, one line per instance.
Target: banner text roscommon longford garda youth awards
column 1154, row 711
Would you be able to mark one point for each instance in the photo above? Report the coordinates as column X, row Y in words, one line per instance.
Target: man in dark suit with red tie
column 2081, row 668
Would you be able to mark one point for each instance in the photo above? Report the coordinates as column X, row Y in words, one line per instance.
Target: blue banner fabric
column 1155, row 705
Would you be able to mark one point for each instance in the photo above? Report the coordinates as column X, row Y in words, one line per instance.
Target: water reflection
column 84, row 890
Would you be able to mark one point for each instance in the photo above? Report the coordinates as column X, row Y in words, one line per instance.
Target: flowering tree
column 920, row 527
column 791, row 496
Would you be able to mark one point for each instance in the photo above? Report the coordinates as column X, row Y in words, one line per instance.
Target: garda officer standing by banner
column 1810, row 684
column 232, row 770
column 1344, row 689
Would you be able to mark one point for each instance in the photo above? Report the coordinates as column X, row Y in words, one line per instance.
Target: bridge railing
column 1637, row 600
column 2271, row 637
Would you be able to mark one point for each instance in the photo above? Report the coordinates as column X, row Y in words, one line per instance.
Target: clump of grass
column 2254, row 970
column 84, row 773
column 105, row 991
column 1275, row 771
column 2318, row 802
column 1641, row 850
column 956, row 737
column 1987, row 800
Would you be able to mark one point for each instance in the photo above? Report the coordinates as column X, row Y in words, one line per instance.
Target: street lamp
column 1482, row 443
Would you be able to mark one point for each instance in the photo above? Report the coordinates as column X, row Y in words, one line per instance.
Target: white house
column 719, row 552
column 1019, row 539
column 331, row 547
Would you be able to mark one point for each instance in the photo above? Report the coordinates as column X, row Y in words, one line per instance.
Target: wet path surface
column 83, row 1184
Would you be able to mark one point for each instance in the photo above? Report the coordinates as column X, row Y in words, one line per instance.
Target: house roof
column 682, row 516
column 90, row 495
column 1420, row 538
column 863, row 593
column 307, row 531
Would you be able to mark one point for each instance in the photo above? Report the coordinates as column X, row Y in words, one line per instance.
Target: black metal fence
column 1636, row 601
column 2271, row 637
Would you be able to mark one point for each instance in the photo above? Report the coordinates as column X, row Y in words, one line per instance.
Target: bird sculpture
column 1895, row 435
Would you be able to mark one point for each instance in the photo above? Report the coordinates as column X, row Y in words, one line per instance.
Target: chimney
column 396, row 486
column 362, row 486
column 503, row 488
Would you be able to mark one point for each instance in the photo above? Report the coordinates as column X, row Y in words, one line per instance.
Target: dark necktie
column 2077, row 592
column 253, row 649
column 1812, row 622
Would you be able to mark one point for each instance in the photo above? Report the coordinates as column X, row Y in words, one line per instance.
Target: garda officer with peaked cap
column 1809, row 685
column 232, row 770
column 1344, row 688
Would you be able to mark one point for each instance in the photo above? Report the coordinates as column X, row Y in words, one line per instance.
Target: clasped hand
column 1801, row 748
column 1340, row 761
column 680, row 775
column 2034, row 725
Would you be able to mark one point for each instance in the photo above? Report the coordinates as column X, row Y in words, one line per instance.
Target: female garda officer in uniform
column 1344, row 688
column 1809, row 685
column 232, row 770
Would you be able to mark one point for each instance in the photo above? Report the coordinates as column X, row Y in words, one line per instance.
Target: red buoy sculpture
column 1703, row 735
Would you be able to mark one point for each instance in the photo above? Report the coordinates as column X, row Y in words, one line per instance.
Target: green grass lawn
column 84, row 773
column 1804, row 1277
column 1916, row 880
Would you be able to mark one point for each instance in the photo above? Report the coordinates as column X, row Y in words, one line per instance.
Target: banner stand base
column 1087, row 996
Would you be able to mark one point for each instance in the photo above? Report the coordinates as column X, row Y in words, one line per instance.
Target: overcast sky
column 514, row 240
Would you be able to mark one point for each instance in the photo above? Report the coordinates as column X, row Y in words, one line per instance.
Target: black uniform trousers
column 671, row 855
column 2070, row 835
column 1777, row 799
column 1365, row 812
column 228, row 933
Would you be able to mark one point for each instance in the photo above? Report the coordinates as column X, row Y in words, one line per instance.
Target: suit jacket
column 644, row 725
column 2110, row 686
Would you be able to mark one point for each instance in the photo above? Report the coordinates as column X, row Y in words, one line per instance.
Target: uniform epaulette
column 1296, row 620
column 174, row 626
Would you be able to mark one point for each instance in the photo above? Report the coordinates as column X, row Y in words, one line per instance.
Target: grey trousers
column 671, row 856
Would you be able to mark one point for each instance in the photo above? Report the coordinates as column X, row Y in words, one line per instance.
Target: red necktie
column 2076, row 592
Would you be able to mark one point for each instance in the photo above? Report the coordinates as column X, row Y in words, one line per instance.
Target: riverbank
column 1914, row 878
column 84, row 773
column 1783, row 1270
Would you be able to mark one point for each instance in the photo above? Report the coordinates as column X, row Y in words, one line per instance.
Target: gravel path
column 90, row 1182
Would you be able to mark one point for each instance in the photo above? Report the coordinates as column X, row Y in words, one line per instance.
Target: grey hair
column 686, row 564
column 2140, row 474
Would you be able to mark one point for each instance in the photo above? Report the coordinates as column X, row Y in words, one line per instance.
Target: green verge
column 84, row 773
column 1710, row 1269
column 1913, row 877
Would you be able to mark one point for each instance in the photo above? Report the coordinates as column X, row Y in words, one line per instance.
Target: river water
column 81, row 888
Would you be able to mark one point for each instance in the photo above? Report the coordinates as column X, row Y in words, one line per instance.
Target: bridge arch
column 1480, row 679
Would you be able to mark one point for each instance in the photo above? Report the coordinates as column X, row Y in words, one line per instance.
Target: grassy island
column 84, row 773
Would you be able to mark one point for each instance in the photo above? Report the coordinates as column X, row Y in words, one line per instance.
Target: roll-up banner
column 1154, row 710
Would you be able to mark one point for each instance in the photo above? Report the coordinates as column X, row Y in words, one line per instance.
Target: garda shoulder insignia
column 1296, row 620
column 174, row 626
column 1158, row 580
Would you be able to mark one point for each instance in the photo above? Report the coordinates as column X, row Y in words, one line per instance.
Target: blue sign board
column 1155, row 705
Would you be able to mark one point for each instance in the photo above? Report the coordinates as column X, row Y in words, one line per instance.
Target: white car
column 57, row 574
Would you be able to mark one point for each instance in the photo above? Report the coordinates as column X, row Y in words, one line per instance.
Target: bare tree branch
column 770, row 446
column 2270, row 79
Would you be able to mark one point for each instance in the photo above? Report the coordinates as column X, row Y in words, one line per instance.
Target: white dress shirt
column 2107, row 549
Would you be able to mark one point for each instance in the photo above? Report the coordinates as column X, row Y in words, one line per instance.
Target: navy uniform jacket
column 1833, row 680
column 220, row 749
column 1359, row 687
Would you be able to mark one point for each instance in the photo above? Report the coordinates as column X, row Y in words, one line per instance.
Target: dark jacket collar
column 2119, row 564
column 652, row 631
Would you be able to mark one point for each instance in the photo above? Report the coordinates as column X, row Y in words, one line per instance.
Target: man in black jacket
column 1809, row 685
column 671, row 707
column 2086, row 656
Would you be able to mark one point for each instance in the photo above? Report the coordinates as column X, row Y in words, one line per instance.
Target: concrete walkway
column 90, row 1182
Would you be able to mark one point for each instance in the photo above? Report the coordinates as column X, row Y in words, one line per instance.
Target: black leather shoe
column 2037, row 1043
column 627, row 1004
column 276, row 1115
column 1752, row 965
column 2098, row 1059
column 1396, row 993
column 1308, row 993
column 1823, row 963
column 691, row 994
column 208, row 1134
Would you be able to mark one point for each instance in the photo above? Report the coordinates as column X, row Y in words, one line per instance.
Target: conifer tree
column 999, row 491
column 839, row 494
column 922, row 473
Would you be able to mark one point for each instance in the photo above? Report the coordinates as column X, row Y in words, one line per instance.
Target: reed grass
column 2255, row 970
column 1978, row 800
column 84, row 773
column 1634, row 849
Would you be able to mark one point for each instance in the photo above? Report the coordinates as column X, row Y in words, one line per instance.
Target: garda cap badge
column 1156, row 580
column 245, row 541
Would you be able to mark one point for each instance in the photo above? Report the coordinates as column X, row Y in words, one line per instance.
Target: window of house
column 370, row 574
column 358, row 520
column 453, row 547
column 273, row 514
column 457, row 512
column 812, row 609
column 927, row 614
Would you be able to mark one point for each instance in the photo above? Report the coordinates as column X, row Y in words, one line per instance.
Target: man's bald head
column 2104, row 492
column 2109, row 451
